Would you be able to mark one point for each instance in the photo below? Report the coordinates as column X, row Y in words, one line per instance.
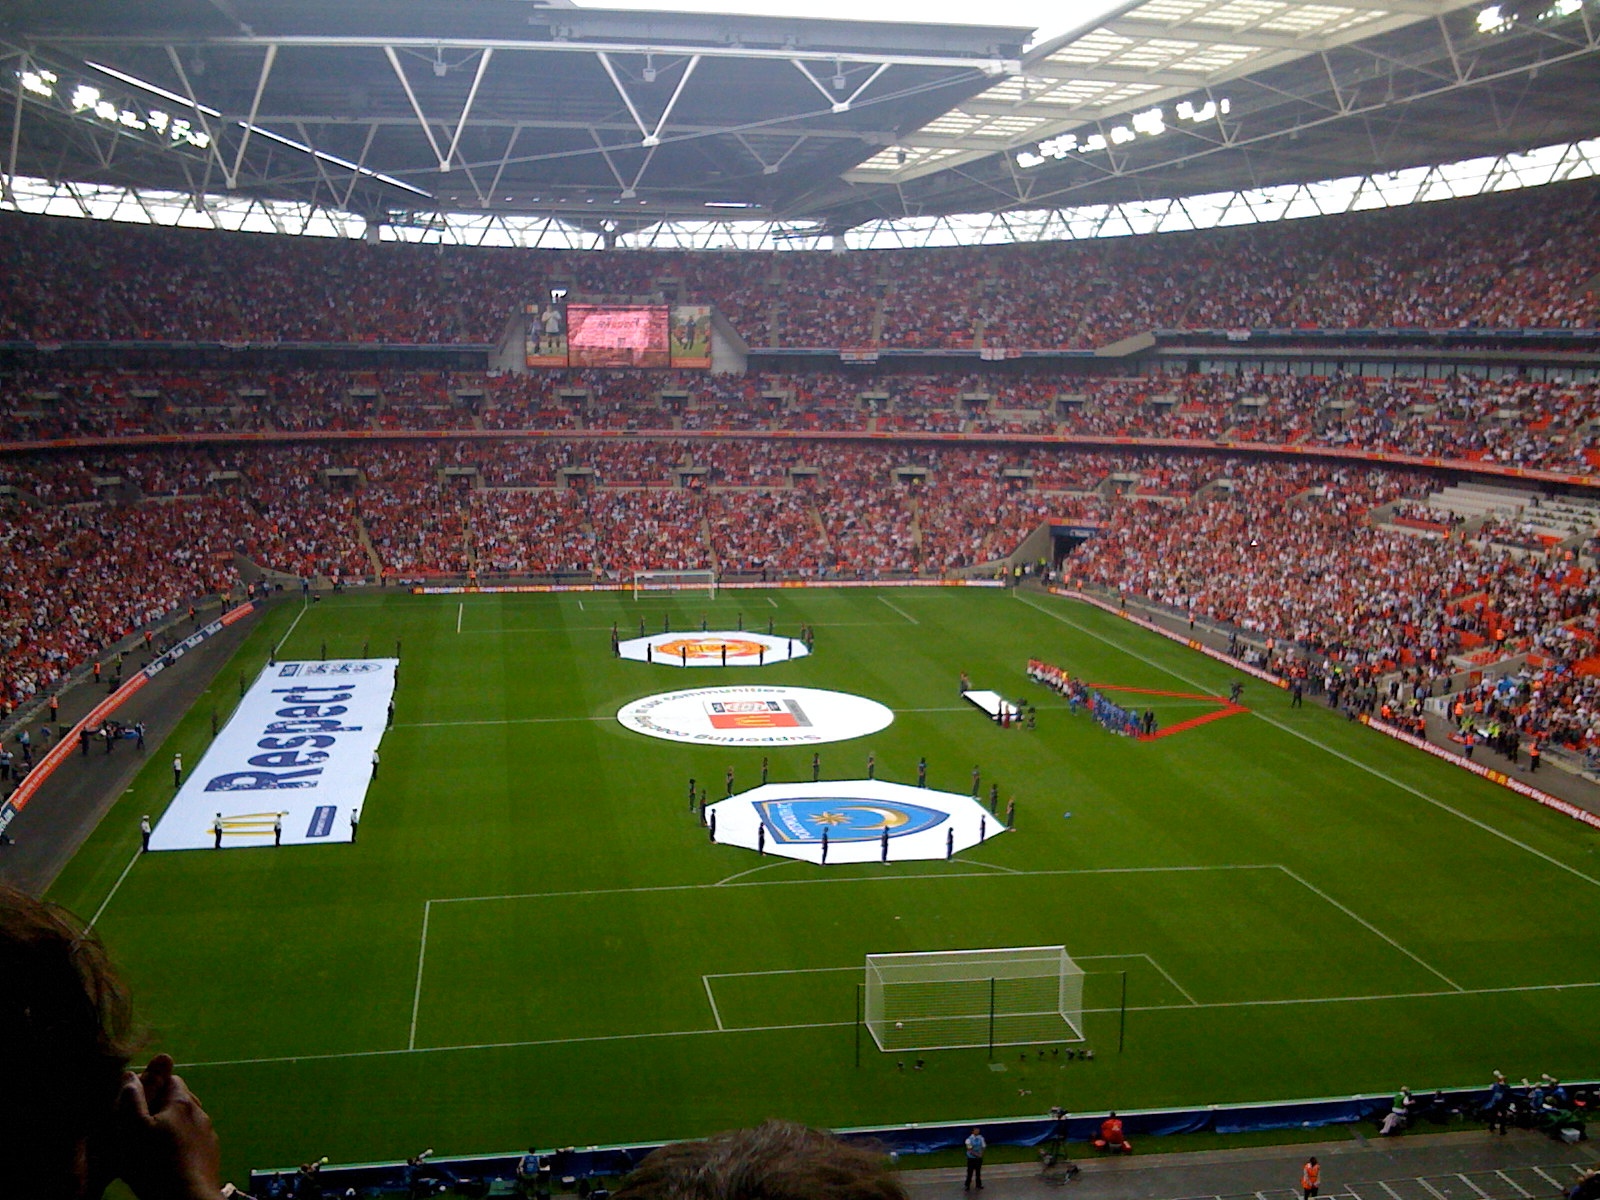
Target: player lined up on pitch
column 1126, row 722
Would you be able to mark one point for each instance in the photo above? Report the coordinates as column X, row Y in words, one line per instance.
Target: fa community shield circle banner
column 755, row 716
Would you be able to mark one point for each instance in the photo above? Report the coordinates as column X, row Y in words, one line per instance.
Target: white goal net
column 948, row 999
column 675, row 581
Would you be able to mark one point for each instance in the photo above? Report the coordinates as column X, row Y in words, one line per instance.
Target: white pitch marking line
column 1304, row 737
column 671, row 1033
column 1183, row 991
column 460, row 608
column 581, row 607
column 753, row 870
column 422, row 954
column 114, row 887
column 871, row 878
column 573, row 1041
column 783, row 971
column 290, row 630
column 706, row 979
column 772, row 602
column 994, row 866
column 1438, row 995
column 901, row 611
column 1360, row 920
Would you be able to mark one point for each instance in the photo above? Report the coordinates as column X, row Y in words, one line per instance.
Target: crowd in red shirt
column 1512, row 260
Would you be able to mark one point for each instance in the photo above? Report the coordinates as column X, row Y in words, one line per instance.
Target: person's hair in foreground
column 778, row 1160
column 73, row 1116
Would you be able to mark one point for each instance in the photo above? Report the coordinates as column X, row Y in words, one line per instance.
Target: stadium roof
column 619, row 120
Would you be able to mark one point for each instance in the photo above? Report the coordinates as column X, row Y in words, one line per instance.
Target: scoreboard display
column 618, row 335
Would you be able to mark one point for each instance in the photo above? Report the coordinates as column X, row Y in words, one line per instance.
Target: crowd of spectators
column 1293, row 551
column 1515, row 422
column 176, row 472
column 1514, row 260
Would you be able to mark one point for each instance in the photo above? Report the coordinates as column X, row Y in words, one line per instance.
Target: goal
column 947, row 999
column 675, row 581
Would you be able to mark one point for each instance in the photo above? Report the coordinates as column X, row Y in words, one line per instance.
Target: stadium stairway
column 370, row 550
column 1474, row 1165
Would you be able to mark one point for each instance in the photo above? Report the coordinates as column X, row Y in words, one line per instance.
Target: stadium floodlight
column 675, row 581
column 951, row 999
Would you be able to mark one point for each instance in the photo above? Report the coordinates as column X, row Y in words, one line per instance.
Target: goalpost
column 675, row 581
column 947, row 999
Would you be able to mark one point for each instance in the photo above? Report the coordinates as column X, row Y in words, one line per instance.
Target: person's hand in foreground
column 168, row 1150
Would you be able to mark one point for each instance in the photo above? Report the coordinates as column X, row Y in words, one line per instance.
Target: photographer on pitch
column 75, row 1117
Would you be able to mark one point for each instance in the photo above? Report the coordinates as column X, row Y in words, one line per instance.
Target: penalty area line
column 1321, row 745
column 711, row 996
column 1160, row 970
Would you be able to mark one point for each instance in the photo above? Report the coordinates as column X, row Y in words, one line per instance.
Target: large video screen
column 610, row 335
column 618, row 336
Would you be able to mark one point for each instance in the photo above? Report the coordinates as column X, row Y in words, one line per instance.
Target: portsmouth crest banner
column 852, row 821
column 846, row 817
column 291, row 765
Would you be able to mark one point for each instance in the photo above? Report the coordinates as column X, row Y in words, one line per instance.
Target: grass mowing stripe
column 1339, row 754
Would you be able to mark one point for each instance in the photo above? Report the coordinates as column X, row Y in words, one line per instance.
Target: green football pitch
column 533, row 940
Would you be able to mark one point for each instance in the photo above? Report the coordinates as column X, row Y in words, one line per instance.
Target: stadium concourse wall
column 569, row 1164
column 67, row 743
column 1466, row 764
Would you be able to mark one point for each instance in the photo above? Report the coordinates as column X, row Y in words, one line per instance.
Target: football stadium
column 580, row 578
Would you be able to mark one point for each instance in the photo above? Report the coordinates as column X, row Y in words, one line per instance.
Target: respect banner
column 297, row 750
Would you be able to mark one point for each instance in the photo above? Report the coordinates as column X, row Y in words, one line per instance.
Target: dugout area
column 533, row 938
